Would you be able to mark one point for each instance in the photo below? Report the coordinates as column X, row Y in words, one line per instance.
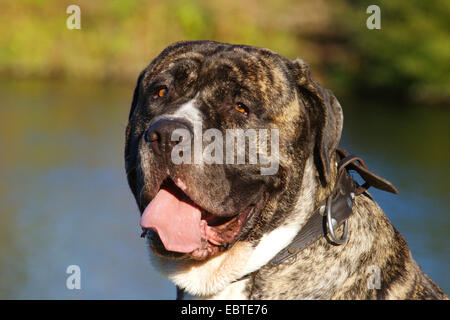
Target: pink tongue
column 177, row 222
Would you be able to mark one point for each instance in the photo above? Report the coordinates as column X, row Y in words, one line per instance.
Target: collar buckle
column 332, row 223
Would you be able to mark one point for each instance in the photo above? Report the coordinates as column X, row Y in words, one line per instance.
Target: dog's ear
column 134, row 102
column 325, row 115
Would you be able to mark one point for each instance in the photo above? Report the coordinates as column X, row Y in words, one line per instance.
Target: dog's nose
column 159, row 135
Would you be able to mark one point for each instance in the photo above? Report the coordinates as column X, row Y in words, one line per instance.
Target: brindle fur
column 324, row 271
column 280, row 94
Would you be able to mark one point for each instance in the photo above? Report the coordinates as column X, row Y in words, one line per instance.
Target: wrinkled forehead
column 244, row 73
column 227, row 68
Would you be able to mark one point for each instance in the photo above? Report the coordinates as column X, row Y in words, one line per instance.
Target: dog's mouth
column 178, row 225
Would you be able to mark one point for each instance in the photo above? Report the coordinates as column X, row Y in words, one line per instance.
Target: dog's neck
column 323, row 268
column 312, row 193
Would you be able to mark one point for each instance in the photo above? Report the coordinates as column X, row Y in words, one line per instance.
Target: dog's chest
column 235, row 291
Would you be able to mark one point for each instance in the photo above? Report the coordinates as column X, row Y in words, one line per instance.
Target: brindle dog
column 213, row 228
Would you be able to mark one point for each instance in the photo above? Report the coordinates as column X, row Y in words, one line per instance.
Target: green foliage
column 409, row 57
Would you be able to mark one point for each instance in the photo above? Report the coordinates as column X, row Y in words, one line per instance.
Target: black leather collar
column 339, row 205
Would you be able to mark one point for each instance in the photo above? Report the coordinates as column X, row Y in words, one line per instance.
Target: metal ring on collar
column 331, row 227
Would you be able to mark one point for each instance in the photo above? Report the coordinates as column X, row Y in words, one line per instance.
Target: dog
column 226, row 230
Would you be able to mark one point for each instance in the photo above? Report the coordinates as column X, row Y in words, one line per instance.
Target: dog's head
column 196, row 198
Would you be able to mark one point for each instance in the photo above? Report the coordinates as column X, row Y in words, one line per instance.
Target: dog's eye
column 159, row 93
column 240, row 107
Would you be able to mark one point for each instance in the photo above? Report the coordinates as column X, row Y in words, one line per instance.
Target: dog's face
column 198, row 209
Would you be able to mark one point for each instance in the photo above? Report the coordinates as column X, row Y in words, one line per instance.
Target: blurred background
column 65, row 97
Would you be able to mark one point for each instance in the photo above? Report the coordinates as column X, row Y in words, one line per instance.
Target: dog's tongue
column 177, row 222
